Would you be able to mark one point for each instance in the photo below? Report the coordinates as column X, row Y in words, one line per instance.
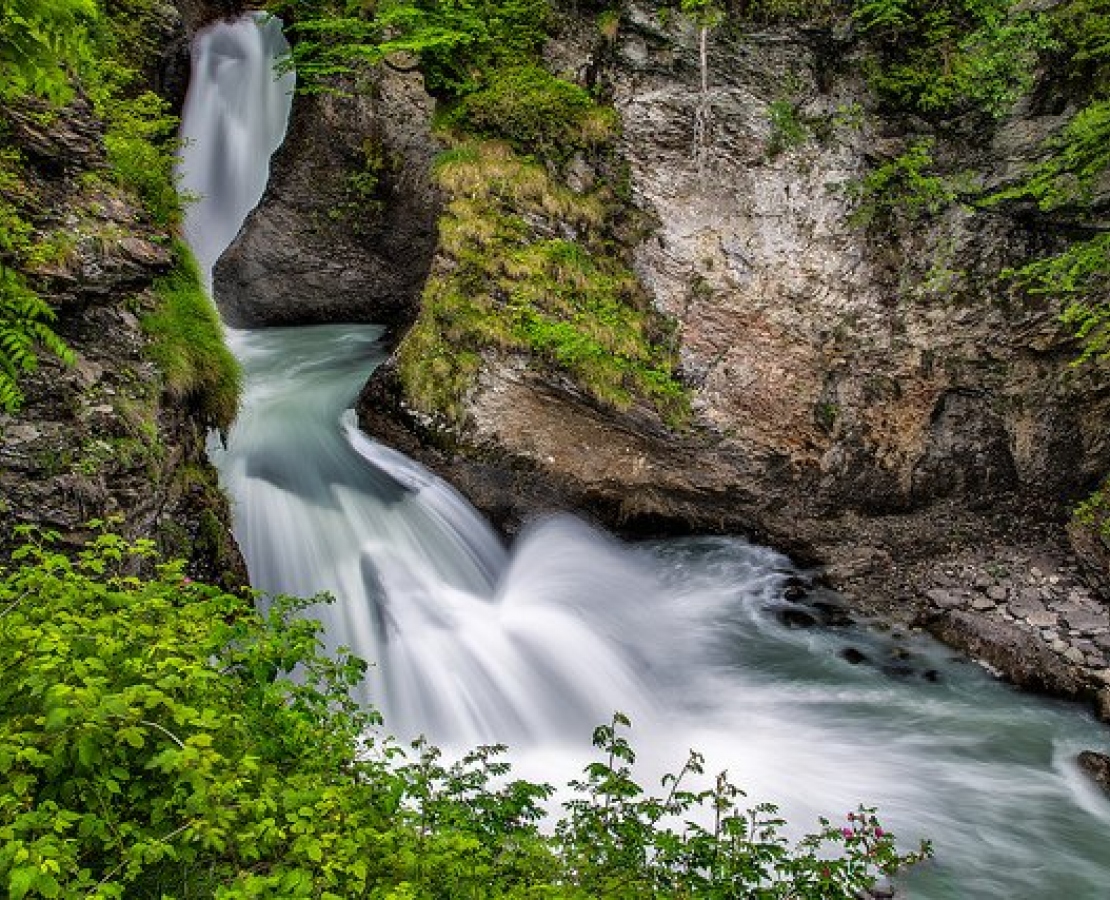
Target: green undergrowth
column 530, row 272
column 53, row 53
column 161, row 738
column 187, row 343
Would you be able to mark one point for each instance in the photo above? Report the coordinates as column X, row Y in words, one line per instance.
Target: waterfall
column 471, row 642
column 234, row 118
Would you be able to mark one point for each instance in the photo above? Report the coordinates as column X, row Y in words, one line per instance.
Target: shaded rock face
column 96, row 440
column 346, row 228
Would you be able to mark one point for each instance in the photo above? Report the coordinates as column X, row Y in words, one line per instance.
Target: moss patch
column 188, row 345
column 532, row 269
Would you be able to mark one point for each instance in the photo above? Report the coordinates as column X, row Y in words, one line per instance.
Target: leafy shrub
column 955, row 55
column 160, row 737
column 535, row 111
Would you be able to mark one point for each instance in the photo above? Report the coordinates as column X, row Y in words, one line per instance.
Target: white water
column 536, row 646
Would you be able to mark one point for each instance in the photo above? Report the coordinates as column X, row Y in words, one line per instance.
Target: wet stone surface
column 1038, row 607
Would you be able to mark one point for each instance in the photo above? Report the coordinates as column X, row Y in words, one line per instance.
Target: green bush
column 906, row 185
column 953, row 56
column 161, row 738
column 535, row 111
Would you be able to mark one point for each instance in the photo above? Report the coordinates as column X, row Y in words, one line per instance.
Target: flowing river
column 534, row 645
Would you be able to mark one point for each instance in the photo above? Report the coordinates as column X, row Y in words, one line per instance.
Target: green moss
column 535, row 111
column 188, row 345
column 571, row 304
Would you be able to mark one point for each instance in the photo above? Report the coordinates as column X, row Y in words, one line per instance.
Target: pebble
column 982, row 604
column 997, row 593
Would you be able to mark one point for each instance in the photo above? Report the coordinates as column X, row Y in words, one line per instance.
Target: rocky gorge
column 867, row 392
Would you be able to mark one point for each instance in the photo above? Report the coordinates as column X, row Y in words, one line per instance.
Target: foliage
column 787, row 128
column 456, row 41
column 140, row 141
column 1074, row 164
column 1080, row 276
column 1094, row 512
column 25, row 320
column 952, row 56
column 535, row 111
column 160, row 737
column 41, row 42
column 188, row 346
column 906, row 185
column 515, row 285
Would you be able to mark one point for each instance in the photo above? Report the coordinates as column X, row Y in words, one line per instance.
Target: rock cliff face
column 346, row 228
column 863, row 393
column 98, row 440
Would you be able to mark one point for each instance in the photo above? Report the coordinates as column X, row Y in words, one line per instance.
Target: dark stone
column 794, row 592
column 318, row 250
column 931, row 675
column 853, row 656
column 796, row 618
column 1097, row 766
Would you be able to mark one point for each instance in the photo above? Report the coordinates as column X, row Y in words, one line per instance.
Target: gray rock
column 1097, row 766
column 1018, row 654
column 1075, row 656
column 1045, row 619
column 1086, row 622
column 313, row 251
column 945, row 599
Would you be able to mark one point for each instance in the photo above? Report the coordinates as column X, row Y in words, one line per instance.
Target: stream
column 533, row 645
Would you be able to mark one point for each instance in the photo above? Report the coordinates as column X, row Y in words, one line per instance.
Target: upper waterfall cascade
column 534, row 646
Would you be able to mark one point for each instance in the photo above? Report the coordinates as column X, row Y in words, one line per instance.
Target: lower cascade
column 692, row 638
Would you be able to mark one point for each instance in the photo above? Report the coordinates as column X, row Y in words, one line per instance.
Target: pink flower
column 879, row 832
column 847, row 832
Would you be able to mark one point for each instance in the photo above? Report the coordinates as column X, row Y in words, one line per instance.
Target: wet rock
column 796, row 618
column 1097, row 766
column 318, row 250
column 853, row 656
column 795, row 590
column 1018, row 654
column 833, row 614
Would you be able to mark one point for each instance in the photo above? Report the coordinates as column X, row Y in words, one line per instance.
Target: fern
column 25, row 321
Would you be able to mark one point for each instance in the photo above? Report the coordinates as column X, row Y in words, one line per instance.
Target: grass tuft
column 188, row 345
